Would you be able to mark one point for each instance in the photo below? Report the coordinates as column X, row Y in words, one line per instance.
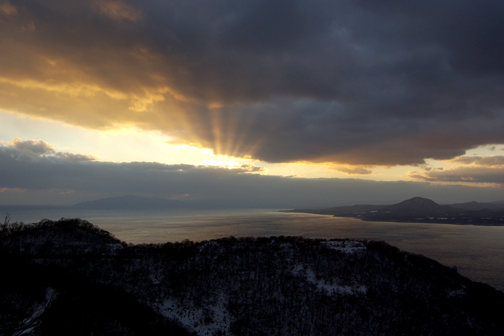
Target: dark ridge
column 417, row 206
column 475, row 206
column 231, row 286
column 421, row 210
column 76, row 228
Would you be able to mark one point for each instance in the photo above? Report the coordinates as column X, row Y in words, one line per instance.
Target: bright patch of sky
column 129, row 144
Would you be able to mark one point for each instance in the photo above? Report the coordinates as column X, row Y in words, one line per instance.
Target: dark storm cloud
column 56, row 179
column 357, row 82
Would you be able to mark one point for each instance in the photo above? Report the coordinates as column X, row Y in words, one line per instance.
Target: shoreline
column 457, row 220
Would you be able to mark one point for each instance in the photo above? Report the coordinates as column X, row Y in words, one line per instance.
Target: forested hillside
column 71, row 277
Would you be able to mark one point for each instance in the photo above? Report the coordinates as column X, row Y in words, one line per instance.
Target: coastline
column 461, row 220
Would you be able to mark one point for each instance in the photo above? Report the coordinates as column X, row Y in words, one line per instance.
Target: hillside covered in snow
column 70, row 277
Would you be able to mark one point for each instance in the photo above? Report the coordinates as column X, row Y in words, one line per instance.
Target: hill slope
column 246, row 286
column 417, row 206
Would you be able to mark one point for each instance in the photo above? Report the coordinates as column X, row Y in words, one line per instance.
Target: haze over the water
column 251, row 103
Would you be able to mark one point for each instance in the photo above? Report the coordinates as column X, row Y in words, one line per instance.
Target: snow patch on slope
column 204, row 320
column 345, row 246
column 329, row 286
column 457, row 292
column 28, row 324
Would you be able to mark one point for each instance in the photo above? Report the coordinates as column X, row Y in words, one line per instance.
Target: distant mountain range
column 416, row 209
column 499, row 205
column 424, row 210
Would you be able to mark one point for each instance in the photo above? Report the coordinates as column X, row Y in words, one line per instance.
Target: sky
column 279, row 103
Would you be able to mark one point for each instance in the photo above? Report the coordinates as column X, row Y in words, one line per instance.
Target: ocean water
column 476, row 251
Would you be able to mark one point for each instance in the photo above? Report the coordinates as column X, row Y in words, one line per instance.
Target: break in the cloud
column 32, row 172
column 348, row 82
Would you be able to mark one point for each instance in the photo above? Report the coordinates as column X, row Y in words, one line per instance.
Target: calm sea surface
column 477, row 251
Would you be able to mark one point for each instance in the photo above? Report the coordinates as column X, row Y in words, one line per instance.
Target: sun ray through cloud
column 307, row 90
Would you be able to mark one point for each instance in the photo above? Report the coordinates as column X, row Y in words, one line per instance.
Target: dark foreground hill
column 71, row 278
column 421, row 210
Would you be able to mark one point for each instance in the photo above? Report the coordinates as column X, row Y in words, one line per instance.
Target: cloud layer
column 33, row 168
column 477, row 170
column 349, row 82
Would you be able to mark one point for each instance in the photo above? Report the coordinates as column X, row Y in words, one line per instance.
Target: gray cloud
column 55, row 179
column 494, row 160
column 37, row 150
column 75, row 157
column 36, row 147
column 356, row 82
column 467, row 175
column 475, row 170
